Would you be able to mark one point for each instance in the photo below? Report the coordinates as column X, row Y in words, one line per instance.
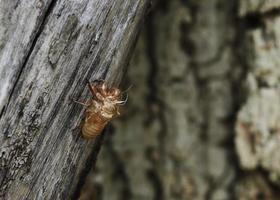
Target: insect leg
column 91, row 88
column 81, row 103
column 123, row 102
column 96, row 91
column 94, row 87
column 118, row 111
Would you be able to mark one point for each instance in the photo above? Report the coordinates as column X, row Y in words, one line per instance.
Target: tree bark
column 48, row 49
column 257, row 124
column 206, row 124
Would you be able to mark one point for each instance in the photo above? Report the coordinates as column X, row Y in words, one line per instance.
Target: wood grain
column 48, row 49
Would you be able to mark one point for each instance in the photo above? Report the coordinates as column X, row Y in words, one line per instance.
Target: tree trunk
column 48, row 49
column 205, row 125
column 257, row 125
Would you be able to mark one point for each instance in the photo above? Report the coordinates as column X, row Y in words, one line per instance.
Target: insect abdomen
column 91, row 131
column 103, row 107
column 93, row 127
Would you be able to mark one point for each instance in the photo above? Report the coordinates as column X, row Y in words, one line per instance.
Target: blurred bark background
column 202, row 121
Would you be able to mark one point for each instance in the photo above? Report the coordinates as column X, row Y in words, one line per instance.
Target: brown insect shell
column 100, row 112
column 94, row 125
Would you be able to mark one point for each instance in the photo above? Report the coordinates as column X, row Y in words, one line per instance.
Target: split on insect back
column 101, row 108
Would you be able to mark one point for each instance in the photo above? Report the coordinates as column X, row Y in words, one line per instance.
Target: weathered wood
column 48, row 51
column 19, row 25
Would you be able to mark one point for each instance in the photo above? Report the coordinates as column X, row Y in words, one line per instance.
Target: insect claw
column 71, row 100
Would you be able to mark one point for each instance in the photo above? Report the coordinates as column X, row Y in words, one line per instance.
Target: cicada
column 101, row 108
